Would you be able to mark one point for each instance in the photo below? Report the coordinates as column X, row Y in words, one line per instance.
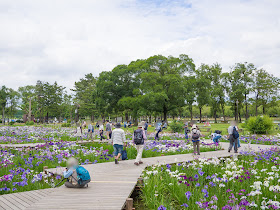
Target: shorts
column 91, row 130
column 117, row 149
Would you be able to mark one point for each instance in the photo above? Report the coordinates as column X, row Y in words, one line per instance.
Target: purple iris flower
column 188, row 195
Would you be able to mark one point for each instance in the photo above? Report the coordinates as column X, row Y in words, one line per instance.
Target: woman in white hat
column 195, row 137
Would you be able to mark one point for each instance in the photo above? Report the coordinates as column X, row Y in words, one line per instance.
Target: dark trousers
column 233, row 141
column 157, row 137
column 80, row 185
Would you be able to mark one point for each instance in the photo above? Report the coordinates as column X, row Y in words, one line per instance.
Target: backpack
column 235, row 133
column 83, row 174
column 124, row 155
column 138, row 137
column 195, row 135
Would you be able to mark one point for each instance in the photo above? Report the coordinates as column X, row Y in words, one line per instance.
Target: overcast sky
column 62, row 40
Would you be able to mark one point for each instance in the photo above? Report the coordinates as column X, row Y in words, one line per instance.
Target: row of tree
column 156, row 86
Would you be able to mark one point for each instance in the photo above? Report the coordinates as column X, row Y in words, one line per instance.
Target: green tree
column 266, row 88
column 85, row 93
column 3, row 101
column 203, row 84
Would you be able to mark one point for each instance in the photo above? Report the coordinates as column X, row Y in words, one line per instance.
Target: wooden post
column 129, row 203
column 140, row 181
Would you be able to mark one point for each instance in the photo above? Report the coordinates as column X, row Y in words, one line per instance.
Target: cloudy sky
column 62, row 40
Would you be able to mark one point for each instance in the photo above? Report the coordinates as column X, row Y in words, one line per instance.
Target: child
column 77, row 176
column 216, row 136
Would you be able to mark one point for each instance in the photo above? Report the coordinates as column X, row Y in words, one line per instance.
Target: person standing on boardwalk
column 138, row 139
column 90, row 130
column 118, row 139
column 146, row 128
column 233, row 136
column 79, row 132
column 187, row 130
column 108, row 130
column 158, row 129
column 195, row 137
column 101, row 130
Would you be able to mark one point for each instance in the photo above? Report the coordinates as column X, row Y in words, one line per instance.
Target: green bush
column 29, row 123
column 66, row 125
column 176, row 126
column 11, row 123
column 259, row 124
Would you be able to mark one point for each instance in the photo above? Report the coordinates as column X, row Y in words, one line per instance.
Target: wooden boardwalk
column 110, row 187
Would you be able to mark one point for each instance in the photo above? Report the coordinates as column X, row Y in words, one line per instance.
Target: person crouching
column 77, row 176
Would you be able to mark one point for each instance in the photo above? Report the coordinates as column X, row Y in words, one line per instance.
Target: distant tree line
column 157, row 86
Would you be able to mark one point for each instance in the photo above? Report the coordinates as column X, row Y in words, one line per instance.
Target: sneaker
column 228, row 150
column 137, row 164
column 235, row 152
column 198, row 153
column 140, row 162
column 116, row 161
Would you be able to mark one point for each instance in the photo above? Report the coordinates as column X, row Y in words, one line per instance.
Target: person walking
column 187, row 130
column 146, row 128
column 90, row 131
column 101, row 130
column 233, row 136
column 195, row 137
column 138, row 139
column 158, row 130
column 118, row 139
column 79, row 132
column 108, row 130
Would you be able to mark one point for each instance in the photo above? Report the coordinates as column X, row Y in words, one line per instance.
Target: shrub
column 11, row 123
column 66, row 125
column 259, row 124
column 176, row 126
column 29, row 123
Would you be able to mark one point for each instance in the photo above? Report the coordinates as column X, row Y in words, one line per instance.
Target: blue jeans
column 238, row 143
column 157, row 137
column 216, row 139
column 117, row 149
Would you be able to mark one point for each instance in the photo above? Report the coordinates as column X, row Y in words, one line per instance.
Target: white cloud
column 63, row 40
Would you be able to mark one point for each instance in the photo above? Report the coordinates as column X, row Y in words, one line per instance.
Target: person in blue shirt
column 71, row 174
column 158, row 129
column 216, row 136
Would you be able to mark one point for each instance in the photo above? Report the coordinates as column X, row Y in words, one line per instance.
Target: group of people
column 78, row 177
column 138, row 138
column 233, row 137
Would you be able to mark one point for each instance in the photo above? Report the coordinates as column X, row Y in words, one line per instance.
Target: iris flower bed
column 22, row 169
column 250, row 181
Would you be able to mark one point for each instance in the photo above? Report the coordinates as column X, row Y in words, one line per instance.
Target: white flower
column 222, row 185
